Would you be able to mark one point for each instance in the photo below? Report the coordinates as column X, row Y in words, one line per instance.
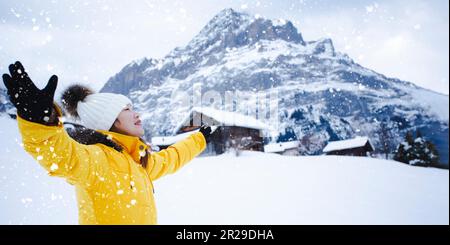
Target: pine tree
column 433, row 154
column 403, row 152
column 417, row 152
column 409, row 151
column 400, row 153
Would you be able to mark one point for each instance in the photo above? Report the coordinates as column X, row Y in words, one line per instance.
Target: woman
column 113, row 170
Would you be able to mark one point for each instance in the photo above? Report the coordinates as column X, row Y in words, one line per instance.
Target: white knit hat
column 94, row 110
column 99, row 111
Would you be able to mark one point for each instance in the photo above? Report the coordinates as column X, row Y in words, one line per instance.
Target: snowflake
column 27, row 199
column 54, row 167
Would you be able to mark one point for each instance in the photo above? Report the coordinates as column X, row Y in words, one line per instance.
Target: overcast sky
column 90, row 41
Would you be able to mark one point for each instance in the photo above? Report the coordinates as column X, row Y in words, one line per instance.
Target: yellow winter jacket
column 111, row 186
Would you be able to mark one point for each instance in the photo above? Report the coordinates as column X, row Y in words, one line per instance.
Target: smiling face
column 128, row 123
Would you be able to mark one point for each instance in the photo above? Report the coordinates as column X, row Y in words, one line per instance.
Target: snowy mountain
column 265, row 189
column 6, row 107
column 323, row 94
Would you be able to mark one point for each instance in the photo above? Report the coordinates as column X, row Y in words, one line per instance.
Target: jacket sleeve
column 175, row 156
column 59, row 154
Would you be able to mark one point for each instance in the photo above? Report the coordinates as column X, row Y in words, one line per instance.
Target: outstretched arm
column 43, row 134
column 175, row 156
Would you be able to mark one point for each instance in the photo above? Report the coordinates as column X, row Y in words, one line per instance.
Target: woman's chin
column 140, row 132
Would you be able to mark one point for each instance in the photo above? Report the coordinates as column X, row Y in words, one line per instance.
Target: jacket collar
column 131, row 144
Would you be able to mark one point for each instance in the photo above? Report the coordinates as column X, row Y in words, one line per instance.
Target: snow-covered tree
column 417, row 151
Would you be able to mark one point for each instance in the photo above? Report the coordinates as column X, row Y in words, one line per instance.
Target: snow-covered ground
column 254, row 188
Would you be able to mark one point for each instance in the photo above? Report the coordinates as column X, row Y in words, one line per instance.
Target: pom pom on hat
column 72, row 95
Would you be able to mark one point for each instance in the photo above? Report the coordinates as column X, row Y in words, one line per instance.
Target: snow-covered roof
column 224, row 118
column 280, row 147
column 169, row 140
column 347, row 144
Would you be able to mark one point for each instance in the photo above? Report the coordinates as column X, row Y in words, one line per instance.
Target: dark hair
column 144, row 159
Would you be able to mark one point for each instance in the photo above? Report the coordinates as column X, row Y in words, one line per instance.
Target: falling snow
column 54, row 167
column 47, row 52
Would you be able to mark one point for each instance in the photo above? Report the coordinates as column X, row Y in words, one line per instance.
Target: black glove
column 206, row 131
column 32, row 104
